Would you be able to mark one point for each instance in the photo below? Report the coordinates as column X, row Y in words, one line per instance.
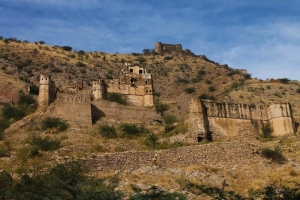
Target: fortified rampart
column 74, row 107
column 47, row 91
column 227, row 119
column 238, row 153
column 161, row 48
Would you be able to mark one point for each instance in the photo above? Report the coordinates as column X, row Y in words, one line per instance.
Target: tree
column 161, row 107
column 266, row 131
column 66, row 48
column 41, row 42
column 146, row 51
column 153, row 138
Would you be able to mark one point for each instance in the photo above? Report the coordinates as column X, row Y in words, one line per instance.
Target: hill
column 177, row 78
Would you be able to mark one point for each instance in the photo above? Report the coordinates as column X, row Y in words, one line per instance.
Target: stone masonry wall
column 75, row 108
column 129, row 114
column 227, row 119
column 237, row 153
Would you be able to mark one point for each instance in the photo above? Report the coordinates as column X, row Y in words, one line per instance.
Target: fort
column 84, row 106
column 207, row 119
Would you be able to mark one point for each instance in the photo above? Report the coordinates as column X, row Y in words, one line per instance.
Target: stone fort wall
column 120, row 113
column 74, row 107
column 228, row 119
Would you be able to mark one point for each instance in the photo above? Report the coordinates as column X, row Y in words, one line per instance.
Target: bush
column 275, row 155
column 203, row 96
column 298, row 90
column 211, row 88
column 168, row 58
column 247, row 76
column 266, row 131
column 284, row 80
column 189, row 90
column 155, row 193
column 169, row 120
column 12, row 113
column 201, row 73
column 4, row 151
column 107, row 131
column 115, row 97
column 182, row 80
column 66, row 48
column 234, row 85
column 80, row 64
column 131, row 129
column 26, row 100
column 34, row 89
column 54, row 122
column 161, row 107
column 45, row 144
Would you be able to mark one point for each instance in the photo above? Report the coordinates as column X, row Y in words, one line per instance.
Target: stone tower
column 98, row 89
column 198, row 121
column 47, row 91
column 158, row 48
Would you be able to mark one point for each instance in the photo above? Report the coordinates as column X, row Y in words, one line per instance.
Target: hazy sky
column 262, row 36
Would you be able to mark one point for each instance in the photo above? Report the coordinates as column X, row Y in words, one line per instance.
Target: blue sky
column 262, row 36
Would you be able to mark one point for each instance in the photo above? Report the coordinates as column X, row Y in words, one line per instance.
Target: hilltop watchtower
column 161, row 48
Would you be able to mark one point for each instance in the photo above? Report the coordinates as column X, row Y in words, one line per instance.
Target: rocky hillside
column 177, row 78
column 143, row 164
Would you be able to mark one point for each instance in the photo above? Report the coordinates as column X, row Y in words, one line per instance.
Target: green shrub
column 203, row 96
column 189, row 90
column 161, row 107
column 211, row 88
column 34, row 89
column 169, row 120
column 4, row 124
column 168, row 58
column 201, row 73
column 151, row 140
column 54, row 122
column 131, row 129
column 45, row 144
column 285, row 80
column 26, row 100
column 80, row 64
column 298, row 90
column 275, row 155
column 266, row 131
column 66, row 48
column 182, row 80
column 12, row 113
column 155, row 193
column 234, row 85
column 118, row 98
column 4, row 151
column 108, row 131
column 208, row 81
column 247, row 76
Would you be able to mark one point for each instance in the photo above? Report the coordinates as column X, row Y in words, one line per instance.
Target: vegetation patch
column 45, row 144
column 275, row 155
column 118, row 98
column 54, row 122
column 108, row 131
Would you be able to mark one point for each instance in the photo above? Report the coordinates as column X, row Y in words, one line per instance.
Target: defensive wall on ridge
column 212, row 119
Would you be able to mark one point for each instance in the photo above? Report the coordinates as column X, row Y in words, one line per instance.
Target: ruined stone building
column 211, row 119
column 135, row 84
column 161, row 48
column 77, row 103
